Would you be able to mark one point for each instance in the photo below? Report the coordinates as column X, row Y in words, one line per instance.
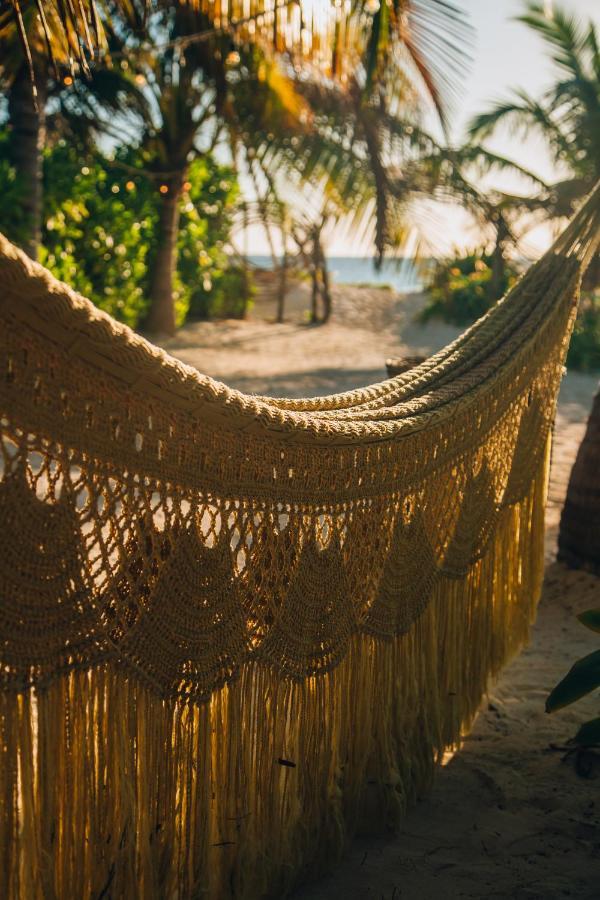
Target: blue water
column 400, row 274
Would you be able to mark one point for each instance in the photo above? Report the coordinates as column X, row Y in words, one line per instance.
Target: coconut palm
column 568, row 114
column 343, row 136
column 384, row 40
column 334, row 38
column 177, row 103
column 27, row 79
column 457, row 175
column 58, row 24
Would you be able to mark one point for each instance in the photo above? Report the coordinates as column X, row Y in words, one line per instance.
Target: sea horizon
column 400, row 273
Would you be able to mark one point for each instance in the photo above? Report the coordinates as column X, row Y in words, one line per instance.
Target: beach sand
column 507, row 817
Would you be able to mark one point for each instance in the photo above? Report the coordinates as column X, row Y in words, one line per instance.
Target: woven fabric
column 230, row 626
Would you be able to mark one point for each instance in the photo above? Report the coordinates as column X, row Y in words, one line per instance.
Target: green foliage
column 211, row 285
column 584, row 349
column 459, row 293
column 589, row 733
column 459, row 288
column 580, row 680
column 226, row 294
column 98, row 234
column 13, row 221
column 99, row 230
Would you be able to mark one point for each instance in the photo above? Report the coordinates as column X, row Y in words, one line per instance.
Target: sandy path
column 506, row 818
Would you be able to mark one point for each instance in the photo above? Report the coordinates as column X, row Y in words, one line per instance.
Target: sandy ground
column 507, row 817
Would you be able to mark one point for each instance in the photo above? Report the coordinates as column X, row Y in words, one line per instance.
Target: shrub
column 99, row 231
column 584, row 349
column 211, row 285
column 229, row 296
column 459, row 288
column 458, row 292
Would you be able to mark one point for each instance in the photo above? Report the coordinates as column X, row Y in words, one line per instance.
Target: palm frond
column 522, row 114
column 432, row 34
column 486, row 161
column 561, row 32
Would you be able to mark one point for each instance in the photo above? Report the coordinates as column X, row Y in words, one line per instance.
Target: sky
column 505, row 55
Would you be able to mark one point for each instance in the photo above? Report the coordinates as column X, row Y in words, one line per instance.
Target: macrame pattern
column 233, row 628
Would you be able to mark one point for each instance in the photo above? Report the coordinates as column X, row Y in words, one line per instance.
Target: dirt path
column 506, row 818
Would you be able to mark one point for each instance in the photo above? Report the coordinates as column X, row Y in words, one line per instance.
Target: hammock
column 234, row 629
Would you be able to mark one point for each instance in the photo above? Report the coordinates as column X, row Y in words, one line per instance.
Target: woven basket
column 397, row 365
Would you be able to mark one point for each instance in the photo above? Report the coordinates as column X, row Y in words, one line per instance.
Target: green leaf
column 579, row 681
column 589, row 733
column 590, row 618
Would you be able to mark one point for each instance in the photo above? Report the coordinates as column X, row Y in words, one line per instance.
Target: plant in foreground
column 580, row 680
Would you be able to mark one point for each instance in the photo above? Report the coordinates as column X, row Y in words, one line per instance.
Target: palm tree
column 337, row 36
column 458, row 172
column 364, row 34
column 200, row 80
column 568, row 117
column 568, row 114
column 76, row 26
column 27, row 79
column 178, row 102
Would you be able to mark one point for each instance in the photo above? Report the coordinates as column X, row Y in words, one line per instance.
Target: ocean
column 399, row 274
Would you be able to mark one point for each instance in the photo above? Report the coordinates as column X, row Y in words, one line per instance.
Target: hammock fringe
column 110, row 790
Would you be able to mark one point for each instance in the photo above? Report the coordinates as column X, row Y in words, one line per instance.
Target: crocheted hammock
column 231, row 627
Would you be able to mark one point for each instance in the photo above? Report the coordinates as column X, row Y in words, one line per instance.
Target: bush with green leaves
column 458, row 292
column 13, row 221
column 99, row 232
column 581, row 679
column 584, row 349
column 459, row 288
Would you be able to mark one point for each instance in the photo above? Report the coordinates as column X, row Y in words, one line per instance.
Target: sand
column 507, row 816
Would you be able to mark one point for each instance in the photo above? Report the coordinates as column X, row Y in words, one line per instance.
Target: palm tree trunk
column 497, row 277
column 579, row 534
column 161, row 317
column 282, row 287
column 27, row 118
column 314, row 312
column 325, row 292
column 496, row 281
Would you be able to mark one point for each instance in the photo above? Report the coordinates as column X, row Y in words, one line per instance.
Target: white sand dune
column 506, row 818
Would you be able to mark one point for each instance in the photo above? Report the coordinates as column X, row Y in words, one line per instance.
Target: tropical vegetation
column 99, row 231
column 462, row 288
column 167, row 80
column 567, row 116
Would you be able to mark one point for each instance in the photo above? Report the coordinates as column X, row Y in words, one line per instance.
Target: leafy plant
column 581, row 679
column 459, row 292
column 99, row 230
column 209, row 284
column 459, row 289
column 584, row 349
